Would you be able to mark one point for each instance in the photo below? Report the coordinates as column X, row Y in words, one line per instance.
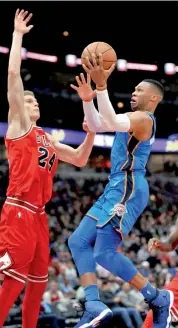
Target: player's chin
column 134, row 106
column 35, row 117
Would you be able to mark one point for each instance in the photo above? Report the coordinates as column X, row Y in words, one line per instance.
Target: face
column 126, row 287
column 32, row 107
column 142, row 97
column 53, row 286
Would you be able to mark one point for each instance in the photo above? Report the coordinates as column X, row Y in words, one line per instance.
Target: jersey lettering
column 45, row 142
column 42, row 139
column 44, row 159
column 38, row 139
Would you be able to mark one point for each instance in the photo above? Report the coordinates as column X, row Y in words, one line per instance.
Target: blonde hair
column 29, row 93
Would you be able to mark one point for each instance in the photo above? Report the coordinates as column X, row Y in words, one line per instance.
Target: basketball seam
column 96, row 49
column 104, row 60
column 106, row 50
column 109, row 61
column 89, row 52
column 97, row 56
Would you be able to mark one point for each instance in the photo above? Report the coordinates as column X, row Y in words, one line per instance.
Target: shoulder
column 140, row 115
column 141, row 125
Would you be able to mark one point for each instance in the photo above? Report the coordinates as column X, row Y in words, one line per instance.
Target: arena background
column 144, row 36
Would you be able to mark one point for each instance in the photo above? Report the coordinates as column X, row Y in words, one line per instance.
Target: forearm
column 93, row 118
column 78, row 156
column 84, row 150
column 15, row 85
column 120, row 122
column 15, row 53
column 170, row 243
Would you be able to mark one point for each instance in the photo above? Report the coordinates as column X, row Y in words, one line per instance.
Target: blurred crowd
column 71, row 199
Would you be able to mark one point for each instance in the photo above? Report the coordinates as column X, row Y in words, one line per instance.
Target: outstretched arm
column 15, row 85
column 79, row 156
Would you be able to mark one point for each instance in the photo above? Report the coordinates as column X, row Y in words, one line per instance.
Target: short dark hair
column 157, row 84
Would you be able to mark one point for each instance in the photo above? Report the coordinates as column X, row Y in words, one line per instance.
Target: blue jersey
column 127, row 193
column 130, row 154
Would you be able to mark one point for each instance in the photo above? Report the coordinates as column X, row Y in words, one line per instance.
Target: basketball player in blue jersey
column 125, row 197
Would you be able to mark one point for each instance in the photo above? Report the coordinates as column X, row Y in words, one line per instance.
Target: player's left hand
column 84, row 88
column 21, row 20
column 97, row 72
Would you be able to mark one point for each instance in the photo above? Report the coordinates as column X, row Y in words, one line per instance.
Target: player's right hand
column 84, row 89
column 21, row 20
column 154, row 243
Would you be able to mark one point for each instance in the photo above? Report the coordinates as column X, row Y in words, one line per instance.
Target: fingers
column 24, row 15
column 17, row 12
column 153, row 243
column 78, row 81
column 28, row 18
column 20, row 15
column 112, row 68
column 74, row 87
column 88, row 79
column 150, row 244
column 30, row 27
column 101, row 61
column 94, row 61
column 82, row 78
column 86, row 69
column 89, row 65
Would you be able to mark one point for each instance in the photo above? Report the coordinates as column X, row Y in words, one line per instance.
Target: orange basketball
column 108, row 53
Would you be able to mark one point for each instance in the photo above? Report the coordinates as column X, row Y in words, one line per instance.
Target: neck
column 151, row 110
column 33, row 123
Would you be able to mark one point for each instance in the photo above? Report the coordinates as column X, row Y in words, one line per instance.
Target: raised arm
column 15, row 85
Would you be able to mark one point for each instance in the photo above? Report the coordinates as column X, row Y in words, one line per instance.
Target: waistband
column 21, row 203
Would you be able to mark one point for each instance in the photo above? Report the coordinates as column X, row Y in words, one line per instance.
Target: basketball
column 108, row 53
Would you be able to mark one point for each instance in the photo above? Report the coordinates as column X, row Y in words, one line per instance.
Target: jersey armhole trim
column 154, row 124
column 153, row 128
column 21, row 137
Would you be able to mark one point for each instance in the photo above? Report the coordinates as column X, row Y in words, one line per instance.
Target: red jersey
column 32, row 165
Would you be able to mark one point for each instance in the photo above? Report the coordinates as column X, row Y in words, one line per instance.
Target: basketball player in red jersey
column 33, row 159
column 167, row 246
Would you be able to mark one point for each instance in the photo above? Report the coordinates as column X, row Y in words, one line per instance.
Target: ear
column 155, row 98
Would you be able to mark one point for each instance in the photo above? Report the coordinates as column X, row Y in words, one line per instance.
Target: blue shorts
column 123, row 201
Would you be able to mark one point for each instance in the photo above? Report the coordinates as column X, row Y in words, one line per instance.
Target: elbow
column 80, row 163
column 80, row 160
column 94, row 127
